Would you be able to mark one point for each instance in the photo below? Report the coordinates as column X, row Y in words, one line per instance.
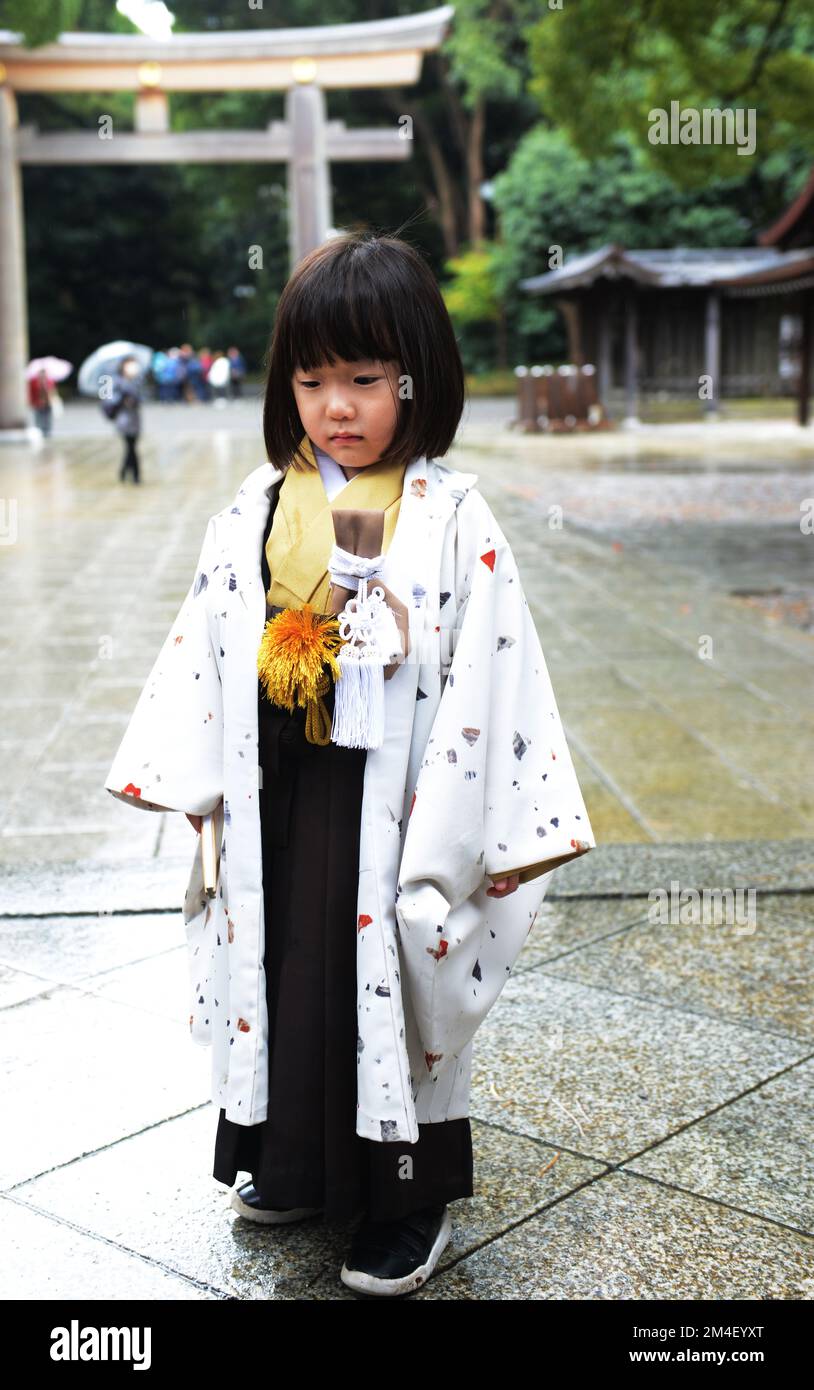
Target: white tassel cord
column 358, row 719
column 371, row 642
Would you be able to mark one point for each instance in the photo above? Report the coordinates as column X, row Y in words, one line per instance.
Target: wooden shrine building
column 737, row 320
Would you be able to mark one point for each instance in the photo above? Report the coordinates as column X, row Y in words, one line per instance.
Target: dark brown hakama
column 307, row 1152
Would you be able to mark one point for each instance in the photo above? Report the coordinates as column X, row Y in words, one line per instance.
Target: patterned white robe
column 474, row 781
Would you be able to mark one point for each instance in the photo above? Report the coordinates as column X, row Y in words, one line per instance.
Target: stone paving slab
column 100, row 886
column 37, row 953
column 158, row 985
column 47, row 1259
column 606, row 1073
column 754, row 1153
column 81, row 1071
column 753, row 974
column 566, row 924
column 621, row 1238
column 153, row 1194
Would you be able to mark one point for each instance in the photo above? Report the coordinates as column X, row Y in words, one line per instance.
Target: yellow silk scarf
column 302, row 532
column 299, row 653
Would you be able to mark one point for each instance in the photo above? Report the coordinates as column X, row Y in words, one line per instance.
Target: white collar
column 332, row 476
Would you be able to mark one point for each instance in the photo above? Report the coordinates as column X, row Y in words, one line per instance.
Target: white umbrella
column 57, row 368
column 105, row 362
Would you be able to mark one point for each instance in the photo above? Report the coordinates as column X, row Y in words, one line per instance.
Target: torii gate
column 301, row 62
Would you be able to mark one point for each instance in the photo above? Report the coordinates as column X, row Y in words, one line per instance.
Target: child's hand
column 195, row 821
column 502, row 887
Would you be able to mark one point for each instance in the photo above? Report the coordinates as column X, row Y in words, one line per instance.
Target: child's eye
column 362, row 379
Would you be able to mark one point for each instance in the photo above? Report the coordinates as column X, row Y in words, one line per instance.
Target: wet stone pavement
column 640, row 1104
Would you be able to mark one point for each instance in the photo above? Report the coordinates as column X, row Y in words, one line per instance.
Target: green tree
column 40, row 21
column 601, row 68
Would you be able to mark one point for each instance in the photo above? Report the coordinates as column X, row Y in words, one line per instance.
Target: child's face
column 358, row 399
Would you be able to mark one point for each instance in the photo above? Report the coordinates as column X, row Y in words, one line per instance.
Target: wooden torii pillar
column 303, row 63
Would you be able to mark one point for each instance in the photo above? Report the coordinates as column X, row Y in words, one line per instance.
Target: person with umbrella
column 42, row 374
column 114, row 375
column 39, row 398
column 126, row 403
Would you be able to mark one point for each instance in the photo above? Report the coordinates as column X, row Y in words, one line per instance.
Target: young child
column 355, row 688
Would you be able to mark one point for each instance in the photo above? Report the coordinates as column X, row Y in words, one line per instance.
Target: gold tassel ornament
column 296, row 645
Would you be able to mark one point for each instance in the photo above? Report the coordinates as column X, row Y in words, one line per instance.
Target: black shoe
column 246, row 1201
column 395, row 1257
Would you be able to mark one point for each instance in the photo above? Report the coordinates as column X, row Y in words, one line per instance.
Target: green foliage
column 39, row 21
column 602, row 68
column 470, row 294
column 479, row 47
column 551, row 195
column 473, row 304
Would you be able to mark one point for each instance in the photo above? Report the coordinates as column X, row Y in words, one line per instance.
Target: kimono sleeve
column 496, row 793
column 534, row 816
column 171, row 756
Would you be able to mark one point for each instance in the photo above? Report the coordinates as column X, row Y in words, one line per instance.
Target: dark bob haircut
column 361, row 296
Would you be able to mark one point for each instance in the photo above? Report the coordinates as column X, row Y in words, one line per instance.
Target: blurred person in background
column 205, row 359
column 177, row 373
column 219, row 377
column 163, row 373
column 238, row 369
column 41, row 390
column 126, row 398
column 195, row 387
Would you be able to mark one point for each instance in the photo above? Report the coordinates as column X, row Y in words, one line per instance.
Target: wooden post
column 712, row 351
column 804, row 385
column 570, row 310
column 631, row 359
column 526, row 401
column 604, row 360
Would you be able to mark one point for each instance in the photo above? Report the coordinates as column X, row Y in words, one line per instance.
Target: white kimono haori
column 473, row 782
